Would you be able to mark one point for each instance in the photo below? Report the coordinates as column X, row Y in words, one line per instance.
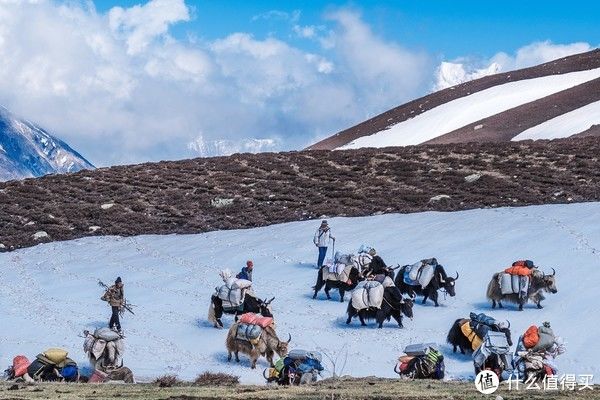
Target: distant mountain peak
column 27, row 151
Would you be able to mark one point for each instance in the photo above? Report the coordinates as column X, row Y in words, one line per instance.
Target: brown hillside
column 508, row 124
column 250, row 190
column 577, row 62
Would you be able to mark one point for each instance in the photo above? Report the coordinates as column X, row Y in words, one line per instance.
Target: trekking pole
column 333, row 251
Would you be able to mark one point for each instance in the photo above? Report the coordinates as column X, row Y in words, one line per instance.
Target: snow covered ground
column 564, row 125
column 465, row 110
column 49, row 293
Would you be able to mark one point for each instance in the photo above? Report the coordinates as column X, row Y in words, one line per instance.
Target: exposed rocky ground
column 250, row 190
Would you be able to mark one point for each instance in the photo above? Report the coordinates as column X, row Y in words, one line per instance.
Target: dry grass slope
column 346, row 389
column 249, row 190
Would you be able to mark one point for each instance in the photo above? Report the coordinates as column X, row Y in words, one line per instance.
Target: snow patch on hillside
column 49, row 293
column 465, row 110
column 564, row 125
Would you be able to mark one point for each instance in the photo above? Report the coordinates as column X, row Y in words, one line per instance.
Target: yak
column 458, row 340
column 251, row 304
column 342, row 287
column 439, row 281
column 538, row 283
column 393, row 305
column 268, row 344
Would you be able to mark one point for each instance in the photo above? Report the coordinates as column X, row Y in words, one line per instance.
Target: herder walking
column 321, row 240
column 115, row 296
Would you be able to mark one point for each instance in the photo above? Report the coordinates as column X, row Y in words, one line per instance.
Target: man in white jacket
column 321, row 240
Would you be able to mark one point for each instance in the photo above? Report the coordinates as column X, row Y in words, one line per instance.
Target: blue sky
column 448, row 28
column 132, row 81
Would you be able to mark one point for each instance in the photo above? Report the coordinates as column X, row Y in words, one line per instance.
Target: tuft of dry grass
column 167, row 381
column 216, row 379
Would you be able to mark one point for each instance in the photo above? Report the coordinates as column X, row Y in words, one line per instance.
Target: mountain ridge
column 27, row 150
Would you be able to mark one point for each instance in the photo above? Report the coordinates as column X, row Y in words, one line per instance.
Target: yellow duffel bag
column 471, row 336
column 56, row 355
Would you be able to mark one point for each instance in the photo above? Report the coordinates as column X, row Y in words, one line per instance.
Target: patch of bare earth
column 250, row 190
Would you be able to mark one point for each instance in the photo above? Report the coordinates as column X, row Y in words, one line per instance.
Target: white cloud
column 142, row 24
column 119, row 88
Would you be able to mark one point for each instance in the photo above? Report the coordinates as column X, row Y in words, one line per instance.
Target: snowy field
column 465, row 110
column 49, row 293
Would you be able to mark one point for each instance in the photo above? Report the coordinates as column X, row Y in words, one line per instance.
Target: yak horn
column 553, row 272
column 456, row 276
column 290, row 338
column 508, row 322
column 396, row 369
column 269, row 302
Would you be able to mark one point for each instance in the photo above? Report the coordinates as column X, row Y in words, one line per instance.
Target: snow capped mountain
column 27, row 150
column 546, row 101
column 452, row 74
column 224, row 147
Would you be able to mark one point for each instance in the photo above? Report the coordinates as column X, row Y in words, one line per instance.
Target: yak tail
column 493, row 290
column 211, row 313
column 453, row 333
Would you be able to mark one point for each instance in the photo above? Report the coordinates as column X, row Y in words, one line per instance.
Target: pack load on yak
column 494, row 354
column 515, row 279
column 469, row 334
column 53, row 365
column 250, row 327
column 367, row 294
column 105, row 349
column 421, row 361
column 426, row 278
column 535, row 352
column 297, row 368
column 420, row 273
column 338, row 269
column 233, row 291
column 256, row 319
column 363, row 259
column 521, row 283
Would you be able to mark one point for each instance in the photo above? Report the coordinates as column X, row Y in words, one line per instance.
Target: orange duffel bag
column 255, row 319
column 531, row 337
column 20, row 365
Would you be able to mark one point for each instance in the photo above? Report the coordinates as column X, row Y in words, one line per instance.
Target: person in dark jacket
column 246, row 272
column 115, row 296
column 377, row 265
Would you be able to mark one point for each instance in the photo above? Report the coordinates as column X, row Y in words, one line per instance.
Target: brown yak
column 540, row 282
column 268, row 344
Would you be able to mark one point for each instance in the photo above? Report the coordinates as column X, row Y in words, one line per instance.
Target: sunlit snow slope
column 466, row 110
column 49, row 293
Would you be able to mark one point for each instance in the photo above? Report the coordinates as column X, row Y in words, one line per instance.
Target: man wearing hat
column 115, row 297
column 246, row 272
column 321, row 240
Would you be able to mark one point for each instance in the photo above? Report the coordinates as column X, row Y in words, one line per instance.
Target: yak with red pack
column 521, row 283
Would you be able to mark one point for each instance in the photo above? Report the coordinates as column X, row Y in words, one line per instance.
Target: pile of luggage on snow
column 535, row 352
column 297, row 368
column 421, row 361
column 53, row 365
